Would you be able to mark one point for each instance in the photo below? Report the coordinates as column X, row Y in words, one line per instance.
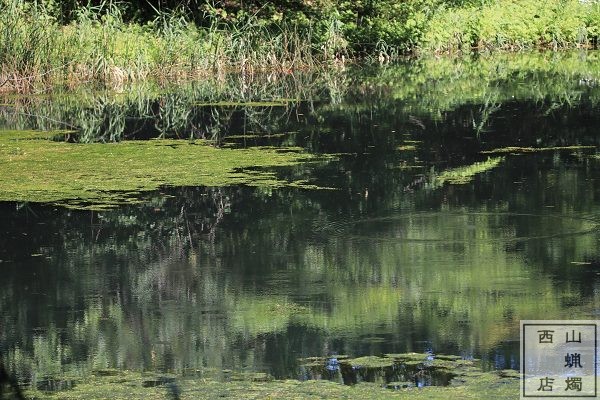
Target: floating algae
column 406, row 147
column 99, row 175
column 520, row 150
column 257, row 136
column 465, row 174
column 464, row 380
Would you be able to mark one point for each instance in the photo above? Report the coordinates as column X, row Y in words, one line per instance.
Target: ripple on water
column 455, row 227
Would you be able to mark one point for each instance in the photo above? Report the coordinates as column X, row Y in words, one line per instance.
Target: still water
column 416, row 240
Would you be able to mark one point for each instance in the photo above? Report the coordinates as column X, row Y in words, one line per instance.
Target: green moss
column 36, row 169
column 517, row 150
column 465, row 174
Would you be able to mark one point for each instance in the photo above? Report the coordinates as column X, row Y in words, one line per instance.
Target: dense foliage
column 384, row 24
column 46, row 41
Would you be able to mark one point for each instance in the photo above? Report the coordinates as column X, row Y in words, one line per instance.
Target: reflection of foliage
column 263, row 104
column 489, row 107
column 197, row 109
column 191, row 297
column 237, row 277
column 491, row 80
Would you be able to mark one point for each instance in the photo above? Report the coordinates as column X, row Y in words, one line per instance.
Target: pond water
column 415, row 239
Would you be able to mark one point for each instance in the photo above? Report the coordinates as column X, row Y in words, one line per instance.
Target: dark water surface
column 418, row 247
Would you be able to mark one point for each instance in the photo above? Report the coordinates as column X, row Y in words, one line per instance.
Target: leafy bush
column 514, row 24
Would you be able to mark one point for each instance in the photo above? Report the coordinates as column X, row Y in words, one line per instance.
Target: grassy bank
column 39, row 48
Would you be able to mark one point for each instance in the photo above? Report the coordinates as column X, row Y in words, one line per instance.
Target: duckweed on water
column 519, row 150
column 99, row 176
column 465, row 174
column 257, row 136
column 408, row 147
column 469, row 382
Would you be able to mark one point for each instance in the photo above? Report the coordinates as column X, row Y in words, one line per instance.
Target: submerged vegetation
column 47, row 42
column 97, row 176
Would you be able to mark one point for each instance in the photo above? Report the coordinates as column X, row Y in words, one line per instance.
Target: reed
column 102, row 45
column 36, row 52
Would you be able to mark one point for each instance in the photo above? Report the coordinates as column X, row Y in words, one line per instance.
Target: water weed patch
column 98, row 175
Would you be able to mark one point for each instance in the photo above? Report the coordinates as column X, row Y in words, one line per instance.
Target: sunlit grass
column 36, row 51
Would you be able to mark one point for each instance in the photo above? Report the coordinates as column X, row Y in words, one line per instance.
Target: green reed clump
column 28, row 37
column 103, row 44
column 100, row 46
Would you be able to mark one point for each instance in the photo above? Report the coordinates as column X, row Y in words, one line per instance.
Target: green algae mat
column 467, row 381
column 35, row 168
column 462, row 175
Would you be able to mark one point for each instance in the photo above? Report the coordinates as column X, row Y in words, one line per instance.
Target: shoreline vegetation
column 47, row 43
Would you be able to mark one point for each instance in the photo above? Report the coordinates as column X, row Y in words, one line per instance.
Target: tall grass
column 36, row 51
column 100, row 46
column 27, row 44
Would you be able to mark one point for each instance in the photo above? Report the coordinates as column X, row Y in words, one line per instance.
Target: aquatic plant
column 518, row 150
column 461, row 175
column 98, row 45
column 470, row 383
column 98, row 175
